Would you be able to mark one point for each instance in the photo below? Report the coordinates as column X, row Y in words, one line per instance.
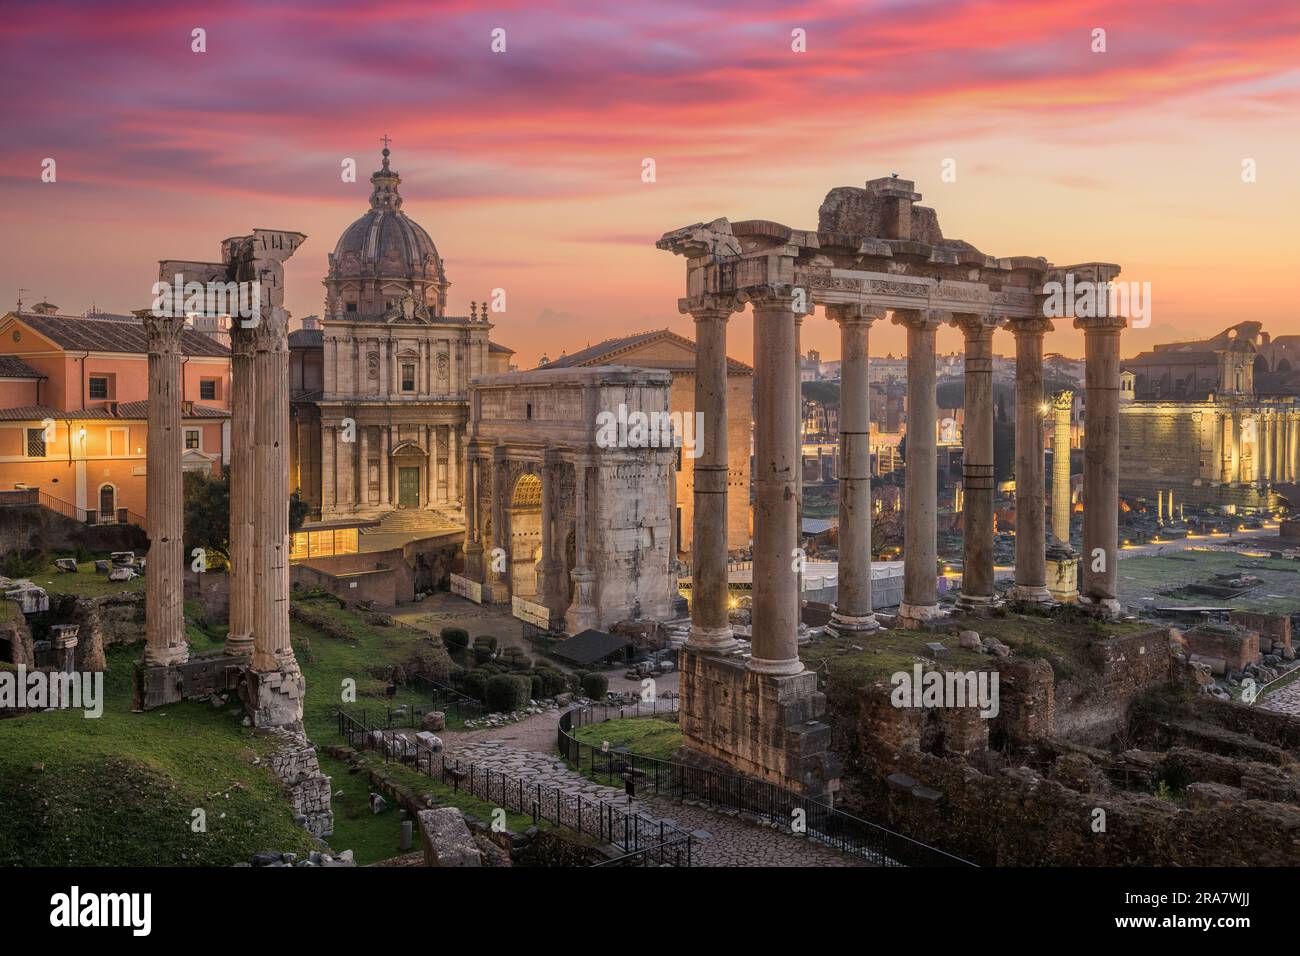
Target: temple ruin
column 258, row 659
column 874, row 255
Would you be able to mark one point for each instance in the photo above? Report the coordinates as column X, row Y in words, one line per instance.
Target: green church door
column 408, row 487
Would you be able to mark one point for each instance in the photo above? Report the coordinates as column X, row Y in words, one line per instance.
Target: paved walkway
column 1285, row 700
column 718, row 839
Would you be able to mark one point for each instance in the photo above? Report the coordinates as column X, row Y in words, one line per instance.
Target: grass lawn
column 121, row 789
column 1146, row 577
column 643, row 736
column 87, row 582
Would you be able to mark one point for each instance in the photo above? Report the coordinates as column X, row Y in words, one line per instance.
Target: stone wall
column 296, row 765
column 1093, row 707
column 1274, row 631
column 15, row 636
column 1234, row 646
column 27, row 527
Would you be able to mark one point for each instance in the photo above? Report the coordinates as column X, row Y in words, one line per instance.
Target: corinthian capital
column 164, row 333
column 1029, row 325
column 975, row 324
column 776, row 296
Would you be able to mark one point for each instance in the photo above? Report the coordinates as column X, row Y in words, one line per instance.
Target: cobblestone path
column 719, row 838
column 1286, row 700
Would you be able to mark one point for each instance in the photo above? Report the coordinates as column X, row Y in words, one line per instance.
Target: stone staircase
column 417, row 522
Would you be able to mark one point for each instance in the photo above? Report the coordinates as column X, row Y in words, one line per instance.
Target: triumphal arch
column 563, row 511
column 875, row 255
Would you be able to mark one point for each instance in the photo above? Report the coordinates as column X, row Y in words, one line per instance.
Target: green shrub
column 553, row 681
column 535, row 687
column 486, row 640
column 24, row 564
column 516, row 658
column 507, row 692
column 595, row 686
column 455, row 637
column 474, row 684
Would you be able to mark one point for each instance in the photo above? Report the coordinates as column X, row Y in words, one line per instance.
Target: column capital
column 710, row 305
column 164, row 332
column 1101, row 323
column 771, row 296
column 855, row 313
column 923, row 320
column 1029, row 325
column 271, row 333
column 976, row 324
column 242, row 342
column 1063, row 400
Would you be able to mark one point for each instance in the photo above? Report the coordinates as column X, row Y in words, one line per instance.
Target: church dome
column 383, row 247
column 386, row 241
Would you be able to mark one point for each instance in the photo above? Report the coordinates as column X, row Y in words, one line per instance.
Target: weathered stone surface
column 447, row 840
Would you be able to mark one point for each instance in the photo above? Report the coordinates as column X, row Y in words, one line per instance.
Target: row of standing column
column 1274, row 454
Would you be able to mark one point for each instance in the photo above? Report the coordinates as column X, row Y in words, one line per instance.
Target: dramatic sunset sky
column 525, row 167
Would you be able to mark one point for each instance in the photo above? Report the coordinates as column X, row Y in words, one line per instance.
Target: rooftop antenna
column 20, row 298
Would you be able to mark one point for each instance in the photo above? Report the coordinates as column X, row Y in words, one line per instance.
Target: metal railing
column 651, row 842
column 757, row 798
column 449, row 700
column 34, row 496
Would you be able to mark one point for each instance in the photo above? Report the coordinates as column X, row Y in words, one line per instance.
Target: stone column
column 1062, row 405
column 775, row 630
column 1031, row 495
column 1101, row 336
column 431, row 446
column 473, row 530
column 271, row 497
column 1216, row 447
column 363, row 481
column 453, row 464
column 1234, row 447
column 710, row 626
column 385, row 446
column 1264, row 436
column 978, row 485
column 854, row 612
column 329, row 469
column 164, row 626
column 582, row 612
column 920, row 551
column 243, row 418
column 798, row 477
column 552, row 566
column 1294, row 444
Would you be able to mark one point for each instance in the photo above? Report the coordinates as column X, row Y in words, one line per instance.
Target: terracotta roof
column 126, row 411
column 607, row 352
column 12, row 367
column 306, row 339
column 96, row 335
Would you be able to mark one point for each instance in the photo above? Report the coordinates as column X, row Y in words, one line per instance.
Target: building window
column 191, row 438
column 408, row 378
column 98, row 387
column 208, row 390
column 35, row 443
column 352, row 307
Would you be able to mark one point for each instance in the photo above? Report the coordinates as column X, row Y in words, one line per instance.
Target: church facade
column 394, row 371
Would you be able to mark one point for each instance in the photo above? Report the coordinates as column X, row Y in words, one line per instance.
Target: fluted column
column 552, row 592
column 854, row 612
column 1294, row 445
column 775, row 629
column 978, row 485
column 164, row 496
column 1062, row 405
column 1264, row 444
column 363, row 480
column 710, row 626
column 581, row 614
column 272, row 650
column 1101, row 336
column 243, row 418
column 921, row 489
column 1031, row 493
column 1216, row 447
column 329, row 468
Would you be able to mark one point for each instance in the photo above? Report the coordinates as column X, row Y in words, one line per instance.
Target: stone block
column 447, row 840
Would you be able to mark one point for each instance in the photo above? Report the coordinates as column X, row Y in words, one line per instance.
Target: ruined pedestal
column 763, row 725
column 156, row 686
column 274, row 698
column 1063, row 573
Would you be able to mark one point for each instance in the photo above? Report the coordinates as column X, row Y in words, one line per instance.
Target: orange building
column 73, row 410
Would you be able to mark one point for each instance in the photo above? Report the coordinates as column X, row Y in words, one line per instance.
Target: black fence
column 644, row 842
column 763, row 801
column 447, row 699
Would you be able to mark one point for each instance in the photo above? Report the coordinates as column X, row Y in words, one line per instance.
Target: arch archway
column 107, row 503
column 525, row 535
